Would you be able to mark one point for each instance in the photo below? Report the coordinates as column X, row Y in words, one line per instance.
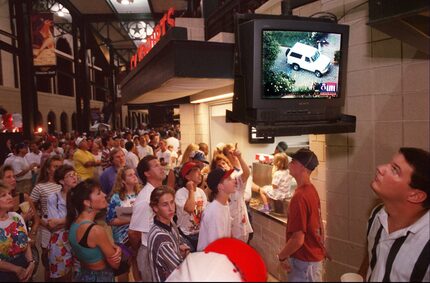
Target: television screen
column 300, row 64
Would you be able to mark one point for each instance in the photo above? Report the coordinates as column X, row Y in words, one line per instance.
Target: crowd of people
column 132, row 206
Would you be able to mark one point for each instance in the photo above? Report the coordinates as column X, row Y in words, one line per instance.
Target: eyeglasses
column 71, row 174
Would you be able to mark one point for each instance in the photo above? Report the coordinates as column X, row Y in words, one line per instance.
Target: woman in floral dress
column 124, row 193
column 59, row 250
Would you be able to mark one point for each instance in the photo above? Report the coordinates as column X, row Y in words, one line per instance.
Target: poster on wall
column 44, row 58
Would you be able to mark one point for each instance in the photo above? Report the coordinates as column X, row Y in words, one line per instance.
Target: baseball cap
column 230, row 260
column 307, row 158
column 79, row 140
column 198, row 155
column 281, row 146
column 216, row 176
column 186, row 168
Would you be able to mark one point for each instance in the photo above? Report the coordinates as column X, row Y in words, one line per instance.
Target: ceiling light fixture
column 125, row 2
column 211, row 98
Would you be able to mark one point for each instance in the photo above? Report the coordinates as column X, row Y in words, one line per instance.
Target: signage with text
column 159, row 31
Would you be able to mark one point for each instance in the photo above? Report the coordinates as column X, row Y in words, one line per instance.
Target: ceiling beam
column 124, row 17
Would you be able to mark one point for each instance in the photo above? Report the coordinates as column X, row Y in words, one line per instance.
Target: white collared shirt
column 417, row 236
column 143, row 216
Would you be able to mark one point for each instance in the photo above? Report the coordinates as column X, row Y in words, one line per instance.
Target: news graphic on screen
column 299, row 64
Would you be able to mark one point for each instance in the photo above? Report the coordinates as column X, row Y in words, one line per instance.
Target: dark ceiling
column 114, row 25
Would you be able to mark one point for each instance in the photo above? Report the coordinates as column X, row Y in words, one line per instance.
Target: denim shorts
column 304, row 271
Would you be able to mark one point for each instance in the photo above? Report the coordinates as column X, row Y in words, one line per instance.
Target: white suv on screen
column 302, row 56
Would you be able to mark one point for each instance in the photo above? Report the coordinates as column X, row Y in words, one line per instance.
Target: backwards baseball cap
column 186, row 168
column 307, row 158
column 79, row 140
column 216, row 176
column 198, row 155
column 230, row 260
column 281, row 146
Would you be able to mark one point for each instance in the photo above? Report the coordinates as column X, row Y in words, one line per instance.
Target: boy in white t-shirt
column 216, row 220
column 190, row 203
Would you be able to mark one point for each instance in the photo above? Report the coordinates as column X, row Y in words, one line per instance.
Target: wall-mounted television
column 289, row 68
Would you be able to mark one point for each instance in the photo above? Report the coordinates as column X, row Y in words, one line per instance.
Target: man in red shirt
column 304, row 251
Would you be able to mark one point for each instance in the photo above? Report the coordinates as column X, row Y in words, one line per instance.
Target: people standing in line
column 166, row 248
column 84, row 160
column 16, row 259
column 90, row 242
column 22, row 169
column 152, row 174
column 59, row 251
column 241, row 225
column 398, row 237
column 46, row 186
column 216, row 219
column 190, row 203
column 124, row 194
column 304, row 251
column 281, row 182
column 131, row 159
column 107, row 178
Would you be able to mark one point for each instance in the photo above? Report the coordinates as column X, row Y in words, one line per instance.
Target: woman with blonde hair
column 124, row 193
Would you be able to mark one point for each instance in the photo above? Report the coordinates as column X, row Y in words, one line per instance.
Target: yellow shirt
column 80, row 157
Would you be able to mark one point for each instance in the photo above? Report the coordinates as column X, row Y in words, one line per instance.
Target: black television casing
column 249, row 106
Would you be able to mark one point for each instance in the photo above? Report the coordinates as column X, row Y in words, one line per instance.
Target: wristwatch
column 281, row 260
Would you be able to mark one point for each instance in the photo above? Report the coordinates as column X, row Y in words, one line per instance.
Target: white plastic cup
column 351, row 277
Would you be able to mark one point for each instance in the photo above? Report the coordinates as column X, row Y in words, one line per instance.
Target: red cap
column 247, row 260
column 186, row 168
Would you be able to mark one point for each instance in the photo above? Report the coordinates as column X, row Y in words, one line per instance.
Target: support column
column 78, row 84
column 26, row 73
column 112, row 86
column 85, row 79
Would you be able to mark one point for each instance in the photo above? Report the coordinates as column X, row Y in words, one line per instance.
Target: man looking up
column 152, row 175
column 398, row 236
column 107, row 178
